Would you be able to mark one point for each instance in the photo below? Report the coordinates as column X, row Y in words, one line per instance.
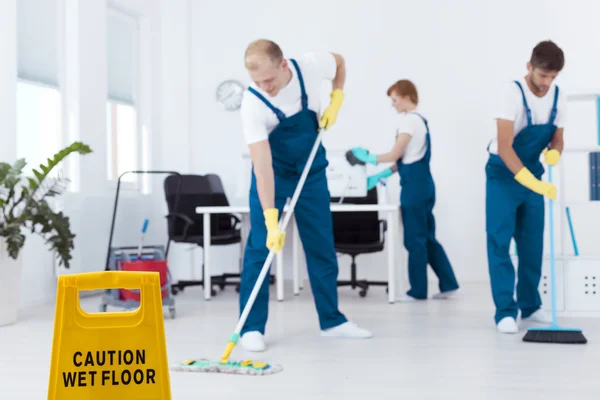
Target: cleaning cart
column 137, row 258
column 152, row 259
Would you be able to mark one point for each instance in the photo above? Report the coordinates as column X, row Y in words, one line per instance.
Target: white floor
column 430, row 350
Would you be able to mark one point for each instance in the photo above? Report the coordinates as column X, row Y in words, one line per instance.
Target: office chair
column 186, row 226
column 360, row 232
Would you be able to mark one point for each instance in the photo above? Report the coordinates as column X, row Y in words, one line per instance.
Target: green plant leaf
column 4, row 169
column 24, row 205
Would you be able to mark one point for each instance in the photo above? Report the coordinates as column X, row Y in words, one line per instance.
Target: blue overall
column 291, row 143
column 417, row 199
column 512, row 210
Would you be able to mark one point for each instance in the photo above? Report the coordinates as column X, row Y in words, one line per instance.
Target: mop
column 554, row 333
column 249, row 367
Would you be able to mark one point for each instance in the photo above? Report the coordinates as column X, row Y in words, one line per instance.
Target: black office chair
column 186, row 226
column 360, row 232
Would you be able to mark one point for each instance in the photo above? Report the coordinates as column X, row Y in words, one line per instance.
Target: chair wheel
column 174, row 290
column 222, row 286
column 172, row 312
column 363, row 293
column 237, row 288
column 102, row 308
column 213, row 292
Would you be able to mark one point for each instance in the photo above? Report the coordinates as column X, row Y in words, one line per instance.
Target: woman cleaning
column 411, row 154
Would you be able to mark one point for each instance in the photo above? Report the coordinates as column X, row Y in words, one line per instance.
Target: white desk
column 391, row 240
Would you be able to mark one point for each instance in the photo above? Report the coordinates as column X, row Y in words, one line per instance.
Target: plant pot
column 10, row 286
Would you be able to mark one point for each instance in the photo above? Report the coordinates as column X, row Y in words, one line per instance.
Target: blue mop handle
column 575, row 249
column 552, row 261
column 144, row 229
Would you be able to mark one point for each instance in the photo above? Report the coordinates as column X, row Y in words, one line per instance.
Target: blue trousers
column 514, row 211
column 423, row 249
column 314, row 221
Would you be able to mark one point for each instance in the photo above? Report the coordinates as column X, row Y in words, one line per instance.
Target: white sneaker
column 539, row 316
column 507, row 325
column 407, row 299
column 347, row 330
column 253, row 341
column 444, row 295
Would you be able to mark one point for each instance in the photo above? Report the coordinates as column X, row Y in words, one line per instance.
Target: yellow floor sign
column 120, row 355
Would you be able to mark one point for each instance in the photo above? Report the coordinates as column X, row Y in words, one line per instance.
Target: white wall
column 458, row 53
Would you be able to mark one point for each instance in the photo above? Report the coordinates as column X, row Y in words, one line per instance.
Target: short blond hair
column 263, row 47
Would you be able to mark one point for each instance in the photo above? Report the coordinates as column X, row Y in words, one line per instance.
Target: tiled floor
column 430, row 350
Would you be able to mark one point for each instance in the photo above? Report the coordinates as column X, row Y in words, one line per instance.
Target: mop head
column 247, row 367
column 351, row 158
column 555, row 334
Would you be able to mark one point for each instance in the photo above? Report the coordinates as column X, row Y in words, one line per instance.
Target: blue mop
column 575, row 249
column 554, row 333
column 141, row 245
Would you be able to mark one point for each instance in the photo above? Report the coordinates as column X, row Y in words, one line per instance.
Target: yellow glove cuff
column 337, row 97
column 525, row 177
column 271, row 217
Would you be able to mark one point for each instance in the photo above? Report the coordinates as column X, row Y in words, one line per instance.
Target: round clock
column 230, row 94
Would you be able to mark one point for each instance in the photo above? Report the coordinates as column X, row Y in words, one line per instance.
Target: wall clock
column 230, row 94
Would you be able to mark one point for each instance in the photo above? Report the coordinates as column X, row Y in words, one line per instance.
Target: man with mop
column 280, row 124
column 530, row 123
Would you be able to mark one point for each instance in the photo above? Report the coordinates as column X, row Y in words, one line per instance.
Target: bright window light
column 122, row 140
column 39, row 134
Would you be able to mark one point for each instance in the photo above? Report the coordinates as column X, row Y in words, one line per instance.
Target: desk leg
column 391, row 242
column 295, row 246
column 279, row 275
column 206, row 251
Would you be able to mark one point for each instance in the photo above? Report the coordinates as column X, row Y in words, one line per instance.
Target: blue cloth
column 417, row 200
column 364, row 155
column 513, row 210
column 291, row 143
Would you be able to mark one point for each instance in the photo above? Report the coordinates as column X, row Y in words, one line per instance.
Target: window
column 123, row 133
column 122, row 140
column 39, row 108
column 39, row 131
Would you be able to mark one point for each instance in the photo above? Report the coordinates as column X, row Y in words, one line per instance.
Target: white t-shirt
column 412, row 124
column 511, row 108
column 258, row 120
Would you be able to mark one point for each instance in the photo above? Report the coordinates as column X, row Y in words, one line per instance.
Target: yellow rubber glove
column 526, row 178
column 275, row 239
column 330, row 114
column 551, row 156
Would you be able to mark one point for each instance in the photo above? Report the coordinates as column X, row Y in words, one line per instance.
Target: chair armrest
column 383, row 224
column 188, row 221
column 235, row 221
column 184, row 217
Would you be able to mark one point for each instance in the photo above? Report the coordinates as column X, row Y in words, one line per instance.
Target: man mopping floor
column 280, row 125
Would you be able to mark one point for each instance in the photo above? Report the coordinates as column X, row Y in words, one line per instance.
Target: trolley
column 152, row 260
column 140, row 258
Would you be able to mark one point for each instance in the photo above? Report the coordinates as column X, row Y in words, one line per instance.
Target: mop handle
column 575, row 249
column 552, row 261
column 286, row 219
column 144, row 228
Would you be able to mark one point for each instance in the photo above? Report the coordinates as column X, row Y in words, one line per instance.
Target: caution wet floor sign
column 120, row 355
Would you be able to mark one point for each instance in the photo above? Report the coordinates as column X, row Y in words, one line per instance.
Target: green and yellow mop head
column 246, row 367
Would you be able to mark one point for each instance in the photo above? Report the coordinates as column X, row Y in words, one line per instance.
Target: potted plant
column 24, row 205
